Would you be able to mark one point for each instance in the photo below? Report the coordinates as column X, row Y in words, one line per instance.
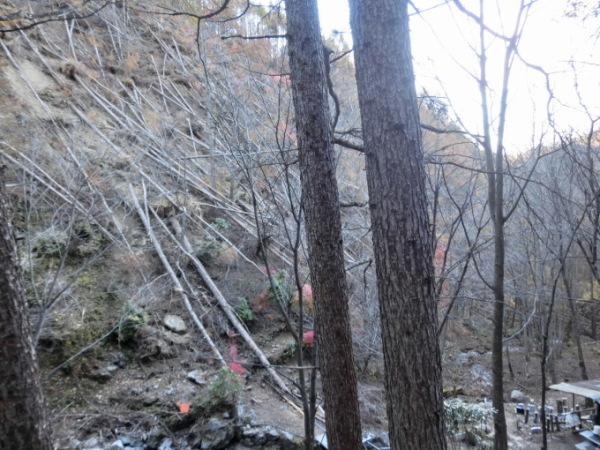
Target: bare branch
column 64, row 13
column 172, row 12
column 350, row 145
column 251, row 38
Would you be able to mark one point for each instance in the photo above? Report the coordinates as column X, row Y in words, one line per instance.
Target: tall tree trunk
column 494, row 163
column 574, row 324
column 323, row 225
column 400, row 223
column 594, row 310
column 501, row 436
column 23, row 422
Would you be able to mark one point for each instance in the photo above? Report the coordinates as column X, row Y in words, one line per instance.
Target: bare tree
column 492, row 142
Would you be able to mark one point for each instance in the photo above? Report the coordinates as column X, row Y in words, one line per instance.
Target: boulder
column 175, row 324
column 102, row 372
column 287, row 441
column 116, row 445
column 91, row 443
column 253, row 437
column 157, row 342
column 197, row 376
column 166, row 444
column 217, row 435
column 245, row 414
column 517, row 397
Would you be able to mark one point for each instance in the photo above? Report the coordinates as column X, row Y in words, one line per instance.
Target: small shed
column 588, row 389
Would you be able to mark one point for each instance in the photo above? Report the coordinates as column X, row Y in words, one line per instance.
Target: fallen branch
column 225, row 306
column 178, row 288
column 81, row 352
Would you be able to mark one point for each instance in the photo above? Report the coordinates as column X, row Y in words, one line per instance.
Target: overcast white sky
column 441, row 39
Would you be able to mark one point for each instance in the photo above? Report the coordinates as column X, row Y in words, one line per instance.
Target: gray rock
column 463, row 358
column 271, row 433
column 250, row 432
column 150, row 400
column 91, row 442
column 218, row 435
column 175, row 324
column 197, row 376
column 126, row 440
column 287, row 441
column 518, row 397
column 116, row 358
column 103, row 374
column 482, row 373
column 260, row 439
column 254, row 437
column 116, row 445
column 137, row 445
column 154, row 438
column 166, row 444
column 111, row 368
column 245, row 414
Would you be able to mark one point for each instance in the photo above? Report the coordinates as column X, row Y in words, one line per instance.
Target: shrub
column 220, row 225
column 307, row 300
column 208, row 249
column 221, row 393
column 280, row 288
column 468, row 418
column 50, row 243
column 226, row 387
column 89, row 240
column 308, row 338
column 244, row 311
column 132, row 318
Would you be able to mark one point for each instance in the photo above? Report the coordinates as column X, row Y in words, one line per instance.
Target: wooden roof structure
column 587, row 389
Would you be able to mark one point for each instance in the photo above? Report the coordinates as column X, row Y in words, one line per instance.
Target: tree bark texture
column 23, row 422
column 501, row 432
column 323, row 225
column 400, row 223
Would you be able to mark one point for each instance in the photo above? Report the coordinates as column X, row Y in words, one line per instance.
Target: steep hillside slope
column 98, row 116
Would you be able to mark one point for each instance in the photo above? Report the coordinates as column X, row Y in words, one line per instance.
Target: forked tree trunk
column 323, row 225
column 23, row 422
column 400, row 223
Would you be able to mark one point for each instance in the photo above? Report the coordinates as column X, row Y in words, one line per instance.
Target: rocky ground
column 118, row 400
